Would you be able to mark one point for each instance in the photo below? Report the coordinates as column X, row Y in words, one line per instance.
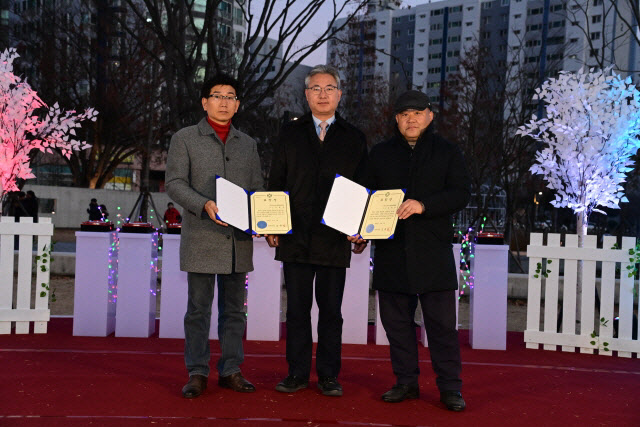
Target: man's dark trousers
column 397, row 313
column 231, row 322
column 329, row 289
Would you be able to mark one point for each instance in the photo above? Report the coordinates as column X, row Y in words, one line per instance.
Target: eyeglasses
column 317, row 90
column 222, row 97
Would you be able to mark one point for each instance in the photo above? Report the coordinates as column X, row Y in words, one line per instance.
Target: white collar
column 329, row 121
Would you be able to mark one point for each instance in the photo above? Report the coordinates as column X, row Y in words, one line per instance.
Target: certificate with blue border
column 259, row 212
column 270, row 212
column 356, row 210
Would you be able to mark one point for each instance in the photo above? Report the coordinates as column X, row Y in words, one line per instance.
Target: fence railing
column 17, row 307
column 615, row 326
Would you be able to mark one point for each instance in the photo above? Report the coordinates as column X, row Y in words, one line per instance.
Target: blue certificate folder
column 234, row 207
column 355, row 210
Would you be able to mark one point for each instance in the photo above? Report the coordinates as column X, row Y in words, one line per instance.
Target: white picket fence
column 590, row 323
column 22, row 312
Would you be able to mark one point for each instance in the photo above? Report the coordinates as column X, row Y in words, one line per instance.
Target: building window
column 410, row 31
column 517, row 16
column 468, row 24
column 453, row 39
column 435, row 55
column 455, row 9
column 410, row 46
column 486, row 20
column 397, row 19
column 504, row 3
column 436, row 12
column 487, row 5
column 434, row 42
column 455, row 24
column 535, row 11
column 595, row 35
column 596, row 19
column 453, row 54
column 435, row 27
column 434, row 70
column 409, row 59
column 396, row 33
column 412, row 17
column 486, row 35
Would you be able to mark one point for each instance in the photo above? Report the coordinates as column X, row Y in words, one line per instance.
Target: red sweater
column 221, row 130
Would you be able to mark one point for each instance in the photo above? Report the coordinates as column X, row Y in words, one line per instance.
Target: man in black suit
column 308, row 155
column 418, row 263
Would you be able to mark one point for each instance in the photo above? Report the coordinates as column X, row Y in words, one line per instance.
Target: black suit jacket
column 420, row 257
column 306, row 168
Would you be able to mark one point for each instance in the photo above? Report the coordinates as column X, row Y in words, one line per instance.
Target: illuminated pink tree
column 27, row 123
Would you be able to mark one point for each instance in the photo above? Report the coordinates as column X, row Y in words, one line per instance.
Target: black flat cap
column 412, row 100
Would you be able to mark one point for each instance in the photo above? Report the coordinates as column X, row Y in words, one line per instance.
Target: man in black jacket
column 418, row 263
column 309, row 154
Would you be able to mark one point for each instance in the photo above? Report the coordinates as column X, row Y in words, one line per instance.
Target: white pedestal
column 94, row 308
column 488, row 300
column 173, row 293
column 355, row 302
column 137, row 283
column 381, row 334
column 263, row 296
column 456, row 257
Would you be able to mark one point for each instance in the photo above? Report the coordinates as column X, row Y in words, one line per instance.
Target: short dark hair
column 217, row 80
column 169, row 204
column 94, row 200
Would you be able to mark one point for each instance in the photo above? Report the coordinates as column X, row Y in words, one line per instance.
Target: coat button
column 227, row 159
column 228, row 237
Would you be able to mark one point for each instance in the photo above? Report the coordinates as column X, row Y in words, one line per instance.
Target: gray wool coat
column 196, row 156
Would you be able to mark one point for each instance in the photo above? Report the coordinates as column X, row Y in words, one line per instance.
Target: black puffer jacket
column 419, row 258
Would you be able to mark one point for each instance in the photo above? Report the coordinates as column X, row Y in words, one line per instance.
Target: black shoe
column 452, row 400
column 329, row 386
column 195, row 386
column 291, row 384
column 401, row 392
column 236, row 382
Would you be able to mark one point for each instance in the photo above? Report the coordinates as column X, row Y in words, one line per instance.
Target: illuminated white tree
column 27, row 123
column 590, row 133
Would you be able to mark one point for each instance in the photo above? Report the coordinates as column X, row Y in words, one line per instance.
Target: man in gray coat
column 209, row 247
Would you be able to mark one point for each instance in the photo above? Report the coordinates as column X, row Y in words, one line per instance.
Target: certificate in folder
column 354, row 209
column 258, row 212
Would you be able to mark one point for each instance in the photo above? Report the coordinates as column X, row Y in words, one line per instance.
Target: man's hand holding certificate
column 355, row 210
column 262, row 212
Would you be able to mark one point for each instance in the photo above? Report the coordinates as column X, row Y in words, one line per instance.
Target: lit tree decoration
column 27, row 123
column 590, row 132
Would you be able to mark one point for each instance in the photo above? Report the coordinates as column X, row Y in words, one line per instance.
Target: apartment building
column 419, row 47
